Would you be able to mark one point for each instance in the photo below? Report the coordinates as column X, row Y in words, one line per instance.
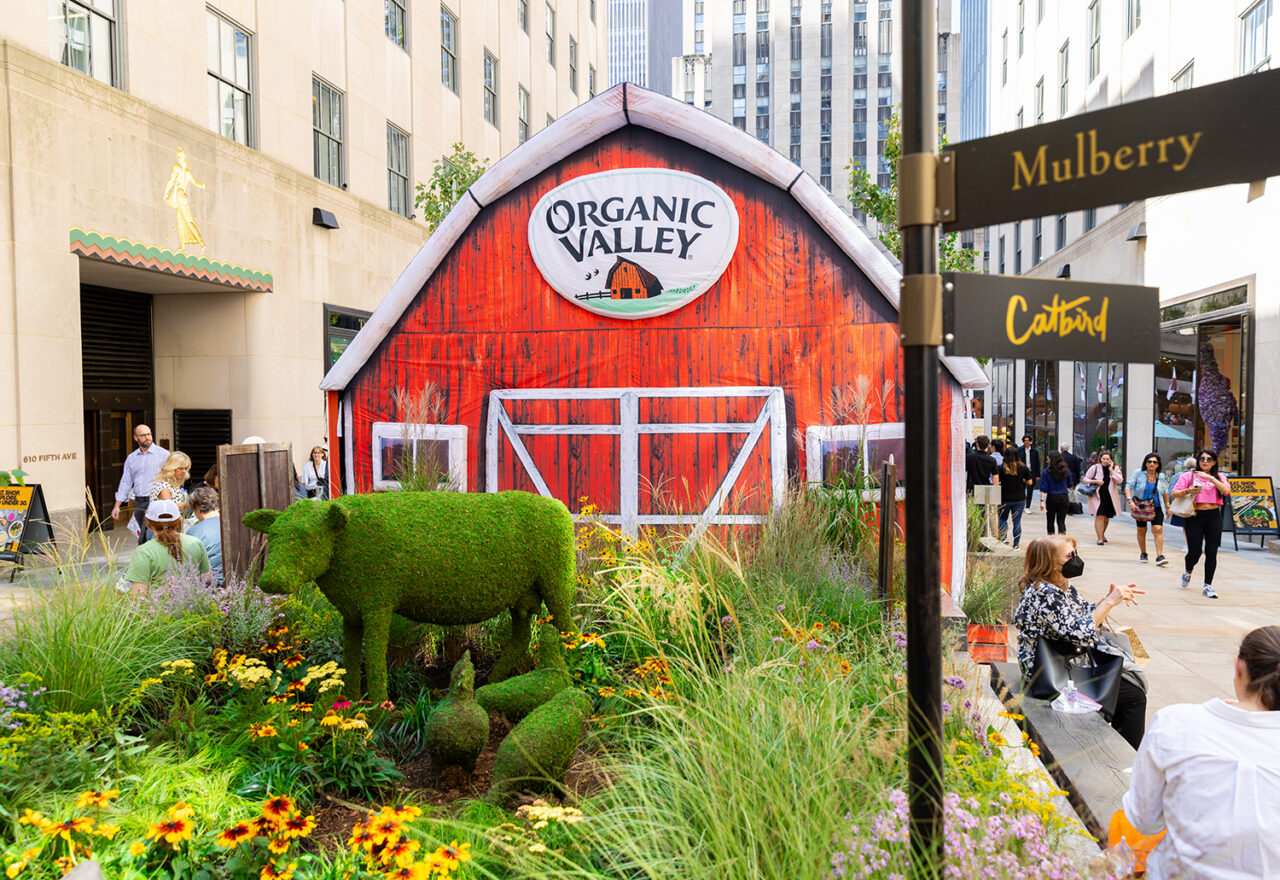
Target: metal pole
column 921, row 325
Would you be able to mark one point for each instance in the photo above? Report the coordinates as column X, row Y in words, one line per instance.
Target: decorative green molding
column 122, row 251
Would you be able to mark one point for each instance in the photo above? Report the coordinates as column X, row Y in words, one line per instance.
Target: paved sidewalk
column 1192, row 640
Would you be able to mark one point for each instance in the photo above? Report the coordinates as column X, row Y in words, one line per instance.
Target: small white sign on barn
column 635, row 242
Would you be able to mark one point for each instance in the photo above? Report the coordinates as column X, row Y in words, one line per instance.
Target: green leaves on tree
column 451, row 177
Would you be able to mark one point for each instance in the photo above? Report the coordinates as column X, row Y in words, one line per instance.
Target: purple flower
column 777, row 640
column 782, row 608
column 946, row 707
column 956, row 682
column 726, row 621
column 815, row 645
column 899, row 640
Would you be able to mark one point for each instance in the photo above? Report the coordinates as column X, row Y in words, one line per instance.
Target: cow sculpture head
column 299, row 542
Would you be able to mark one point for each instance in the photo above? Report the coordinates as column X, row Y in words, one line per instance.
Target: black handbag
column 1075, row 508
column 1096, row 673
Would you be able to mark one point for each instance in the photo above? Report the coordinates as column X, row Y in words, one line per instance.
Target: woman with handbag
column 1015, row 483
column 1055, row 486
column 1104, row 503
column 1051, row 609
column 1148, row 494
column 1209, row 774
column 1198, row 497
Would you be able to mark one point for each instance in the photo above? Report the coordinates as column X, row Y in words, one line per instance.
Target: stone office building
column 200, row 204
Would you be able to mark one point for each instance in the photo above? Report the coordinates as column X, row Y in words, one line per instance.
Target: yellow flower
column 262, row 731
column 361, row 837
column 299, row 826
column 271, row 872
column 996, row 739
column 330, row 719
column 106, row 830
column 235, row 835
column 65, row 829
column 96, row 798
column 278, row 808
column 137, row 848
column 181, row 810
column 1014, row 716
column 300, row 707
column 607, row 692
column 172, row 831
column 15, row 869
column 279, row 845
column 32, row 818
column 357, row 723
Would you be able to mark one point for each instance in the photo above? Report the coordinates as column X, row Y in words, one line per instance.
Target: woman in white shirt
column 1210, row 775
column 315, row 474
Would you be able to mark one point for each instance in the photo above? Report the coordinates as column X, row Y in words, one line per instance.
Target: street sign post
column 1049, row 319
column 1208, row 136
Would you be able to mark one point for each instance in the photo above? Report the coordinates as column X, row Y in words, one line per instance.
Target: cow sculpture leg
column 521, row 630
column 352, row 655
column 377, row 630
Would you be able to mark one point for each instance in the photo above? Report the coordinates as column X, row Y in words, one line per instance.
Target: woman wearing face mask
column 1051, row 607
column 1205, row 528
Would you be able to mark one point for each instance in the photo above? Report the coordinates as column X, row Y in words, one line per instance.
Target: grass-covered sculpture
column 538, row 751
column 517, row 697
column 458, row 729
column 447, row 558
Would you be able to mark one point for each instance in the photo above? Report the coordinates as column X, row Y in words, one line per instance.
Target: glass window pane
column 242, row 60
column 336, row 127
column 242, row 116
column 106, row 6
column 227, row 128
column 214, row 115
column 393, row 456
column 227, row 44
column 100, row 48
column 77, row 54
column 211, row 41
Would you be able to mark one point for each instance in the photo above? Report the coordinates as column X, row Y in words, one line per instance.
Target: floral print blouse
column 177, row 494
column 1058, row 614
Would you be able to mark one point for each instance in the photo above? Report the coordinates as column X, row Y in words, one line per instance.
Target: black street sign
column 1049, row 319
column 1209, row 136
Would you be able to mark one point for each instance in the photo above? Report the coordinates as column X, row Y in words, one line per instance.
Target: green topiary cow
column 447, row 558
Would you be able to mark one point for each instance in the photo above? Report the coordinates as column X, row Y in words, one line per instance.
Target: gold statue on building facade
column 175, row 196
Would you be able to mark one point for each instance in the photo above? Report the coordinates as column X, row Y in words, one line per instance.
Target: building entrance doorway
column 119, row 387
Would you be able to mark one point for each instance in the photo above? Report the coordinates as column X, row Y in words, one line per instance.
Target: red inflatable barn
column 644, row 309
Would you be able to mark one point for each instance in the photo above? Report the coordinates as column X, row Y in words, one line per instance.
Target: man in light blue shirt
column 140, row 470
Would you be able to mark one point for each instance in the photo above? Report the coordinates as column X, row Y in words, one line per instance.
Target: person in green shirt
column 153, row 560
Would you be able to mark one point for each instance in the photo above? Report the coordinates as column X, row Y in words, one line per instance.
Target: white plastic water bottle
column 1071, row 694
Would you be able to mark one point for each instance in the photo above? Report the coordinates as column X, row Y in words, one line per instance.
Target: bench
column 1083, row 754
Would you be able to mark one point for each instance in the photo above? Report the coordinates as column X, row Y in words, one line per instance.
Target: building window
column 1018, row 118
column 1095, row 38
column 449, row 50
column 1040, row 101
column 1000, row 263
column 522, row 113
column 490, row 89
column 1062, row 232
column 591, row 81
column 551, row 36
column 522, row 14
column 1017, row 249
column 398, row 196
column 1037, row 240
column 1004, row 58
column 550, row 119
column 1022, row 26
column 229, row 83
column 394, row 20
column 1184, row 78
column 837, row 455
column 573, row 65
column 591, row 11
column 436, row 453
column 1090, row 218
column 1062, row 79
column 340, row 327
column 1039, row 11
column 85, row 36
column 1254, row 24
column 326, row 119
column 1098, row 407
column 1040, row 410
column 1132, row 17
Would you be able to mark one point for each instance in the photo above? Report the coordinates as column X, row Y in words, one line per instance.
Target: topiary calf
column 538, row 751
column 517, row 697
column 447, row 558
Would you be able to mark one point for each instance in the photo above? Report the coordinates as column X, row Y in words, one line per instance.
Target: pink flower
column 341, row 704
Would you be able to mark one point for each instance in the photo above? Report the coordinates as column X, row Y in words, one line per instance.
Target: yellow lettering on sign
column 1094, row 160
column 1056, row 318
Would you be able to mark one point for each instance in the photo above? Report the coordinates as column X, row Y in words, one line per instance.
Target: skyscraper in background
column 798, row 75
column 644, row 35
column 973, row 70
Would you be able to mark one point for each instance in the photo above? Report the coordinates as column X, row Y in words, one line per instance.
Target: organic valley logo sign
column 633, row 243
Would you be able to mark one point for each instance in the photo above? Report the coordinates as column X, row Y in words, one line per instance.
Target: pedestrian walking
column 1015, row 484
column 1148, row 495
column 1073, row 463
column 997, row 452
column 140, row 469
column 1055, row 486
column 979, row 466
column 1030, row 456
column 1104, row 504
column 1204, row 527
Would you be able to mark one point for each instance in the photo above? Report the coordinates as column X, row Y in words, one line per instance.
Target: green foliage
column 451, row 177
column 400, row 734
column 517, row 697
column 447, row 558
column 881, row 204
column 10, row 478
column 537, row 752
column 90, row 646
column 458, row 729
column 991, row 588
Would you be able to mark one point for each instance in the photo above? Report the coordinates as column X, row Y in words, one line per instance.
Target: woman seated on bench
column 1051, row 607
column 1210, row 774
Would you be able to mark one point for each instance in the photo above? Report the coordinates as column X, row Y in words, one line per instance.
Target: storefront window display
column 1098, row 407
column 1002, row 401
column 1041, row 410
column 1202, row 380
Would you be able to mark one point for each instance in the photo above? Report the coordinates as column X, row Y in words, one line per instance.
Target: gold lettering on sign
column 1057, row 318
column 1091, row 161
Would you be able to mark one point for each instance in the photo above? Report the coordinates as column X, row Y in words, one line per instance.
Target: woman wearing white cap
column 152, row 561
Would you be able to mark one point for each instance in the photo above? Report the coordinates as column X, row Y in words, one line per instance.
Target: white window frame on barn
column 772, row 415
column 454, row 435
column 816, row 435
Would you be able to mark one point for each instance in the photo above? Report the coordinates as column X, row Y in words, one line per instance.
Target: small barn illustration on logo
column 627, row 280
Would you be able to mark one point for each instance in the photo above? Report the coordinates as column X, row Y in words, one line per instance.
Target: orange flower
column 299, row 825
column 419, row 871
column 67, row 828
column 300, row 707
column 278, row 808
column 172, row 831
column 400, row 851
column 96, row 798
column 361, row 837
column 294, row 661
column 275, row 699
column 235, row 835
column 403, row 814
column 265, row 826
column 384, row 830
column 271, row 872
column 263, row 730
column 279, row 845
